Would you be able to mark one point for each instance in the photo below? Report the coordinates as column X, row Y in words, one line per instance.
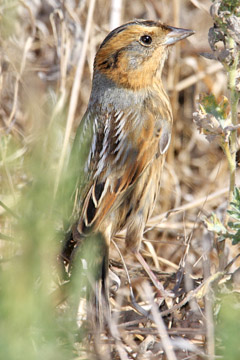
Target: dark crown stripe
column 125, row 26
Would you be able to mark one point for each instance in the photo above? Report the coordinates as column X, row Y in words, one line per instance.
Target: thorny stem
column 234, row 98
column 230, row 147
column 230, row 155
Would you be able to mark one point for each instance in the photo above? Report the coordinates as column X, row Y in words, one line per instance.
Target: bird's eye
column 146, row 39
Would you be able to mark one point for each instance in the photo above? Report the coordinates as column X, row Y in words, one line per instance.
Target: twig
column 193, row 79
column 27, row 47
column 200, row 6
column 208, row 299
column 135, row 305
column 166, row 342
column 116, row 13
column 209, row 325
column 234, row 99
column 197, row 293
column 74, row 94
column 5, row 207
column 198, row 202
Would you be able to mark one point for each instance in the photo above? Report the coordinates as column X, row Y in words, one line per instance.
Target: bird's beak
column 176, row 34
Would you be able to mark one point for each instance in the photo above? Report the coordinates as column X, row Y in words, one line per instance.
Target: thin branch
column 166, row 342
column 27, row 47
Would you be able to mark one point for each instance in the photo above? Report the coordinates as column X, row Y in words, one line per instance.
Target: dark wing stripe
column 98, row 190
column 117, row 185
column 91, row 211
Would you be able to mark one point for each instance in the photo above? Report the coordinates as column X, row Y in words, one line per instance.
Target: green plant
column 218, row 119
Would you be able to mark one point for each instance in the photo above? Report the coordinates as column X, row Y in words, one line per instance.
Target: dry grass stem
column 75, row 93
column 46, row 55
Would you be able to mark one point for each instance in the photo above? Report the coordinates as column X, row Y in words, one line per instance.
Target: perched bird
column 120, row 145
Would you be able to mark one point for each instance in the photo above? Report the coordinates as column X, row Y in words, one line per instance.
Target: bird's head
column 133, row 54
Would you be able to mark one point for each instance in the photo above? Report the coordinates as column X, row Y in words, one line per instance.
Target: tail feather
column 86, row 260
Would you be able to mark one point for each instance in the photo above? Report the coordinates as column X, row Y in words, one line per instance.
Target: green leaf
column 234, row 214
column 237, row 195
column 215, row 225
column 230, row 6
column 218, row 109
column 234, row 226
column 236, row 238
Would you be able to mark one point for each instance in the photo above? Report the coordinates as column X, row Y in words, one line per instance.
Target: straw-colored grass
column 47, row 51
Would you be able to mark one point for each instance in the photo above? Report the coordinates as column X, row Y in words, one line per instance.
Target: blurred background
column 47, row 50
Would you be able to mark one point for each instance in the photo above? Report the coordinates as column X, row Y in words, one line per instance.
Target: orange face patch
column 116, row 57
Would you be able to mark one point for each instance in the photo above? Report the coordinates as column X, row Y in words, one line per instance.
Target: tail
column 70, row 246
column 86, row 261
column 98, row 300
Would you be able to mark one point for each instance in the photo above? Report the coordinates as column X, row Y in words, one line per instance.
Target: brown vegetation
column 47, row 53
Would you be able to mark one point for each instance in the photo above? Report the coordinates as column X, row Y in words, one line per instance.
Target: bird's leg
column 135, row 305
column 160, row 289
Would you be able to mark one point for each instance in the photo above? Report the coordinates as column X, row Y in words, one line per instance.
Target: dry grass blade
column 167, row 345
column 26, row 49
column 46, row 53
column 194, row 204
column 116, row 14
column 75, row 93
column 193, row 79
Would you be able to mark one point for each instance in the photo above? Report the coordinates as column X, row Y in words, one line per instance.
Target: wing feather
column 121, row 155
column 77, row 175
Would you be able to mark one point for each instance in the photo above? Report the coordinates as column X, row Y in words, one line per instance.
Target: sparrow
column 118, row 153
